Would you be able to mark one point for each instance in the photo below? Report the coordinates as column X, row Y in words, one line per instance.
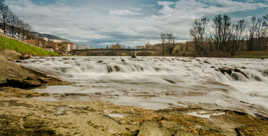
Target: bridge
column 114, row 52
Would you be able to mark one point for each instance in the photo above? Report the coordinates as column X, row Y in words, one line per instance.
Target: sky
column 129, row 22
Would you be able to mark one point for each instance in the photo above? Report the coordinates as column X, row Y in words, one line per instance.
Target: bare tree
column 163, row 39
column 198, row 33
column 222, row 32
column 4, row 13
column 238, row 36
column 257, row 33
column 170, row 43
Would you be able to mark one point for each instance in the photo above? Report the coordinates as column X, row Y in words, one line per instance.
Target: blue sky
column 129, row 22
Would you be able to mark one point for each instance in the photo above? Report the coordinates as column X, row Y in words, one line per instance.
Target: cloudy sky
column 129, row 22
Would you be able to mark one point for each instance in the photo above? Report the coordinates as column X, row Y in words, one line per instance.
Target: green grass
column 252, row 54
column 11, row 44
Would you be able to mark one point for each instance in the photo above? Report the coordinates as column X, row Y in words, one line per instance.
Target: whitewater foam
column 162, row 82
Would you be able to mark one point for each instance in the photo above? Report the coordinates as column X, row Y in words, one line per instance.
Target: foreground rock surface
column 22, row 114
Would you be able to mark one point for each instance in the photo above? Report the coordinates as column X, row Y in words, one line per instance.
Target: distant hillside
column 49, row 36
column 18, row 46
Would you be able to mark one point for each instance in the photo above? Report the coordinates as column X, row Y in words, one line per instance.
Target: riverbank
column 7, row 43
column 252, row 54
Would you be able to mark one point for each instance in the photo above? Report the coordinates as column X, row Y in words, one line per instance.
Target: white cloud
column 129, row 26
column 123, row 12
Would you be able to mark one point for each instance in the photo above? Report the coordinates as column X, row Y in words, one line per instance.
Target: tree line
column 11, row 24
column 222, row 34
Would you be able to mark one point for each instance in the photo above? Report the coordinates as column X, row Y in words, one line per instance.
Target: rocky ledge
column 13, row 75
column 24, row 116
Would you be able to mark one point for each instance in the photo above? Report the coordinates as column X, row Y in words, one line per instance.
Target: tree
column 163, row 37
column 198, row 32
column 257, row 33
column 239, row 29
column 222, row 32
column 168, row 43
column 11, row 24
column 4, row 12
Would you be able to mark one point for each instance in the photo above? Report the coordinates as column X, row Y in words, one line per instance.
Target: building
column 116, row 46
column 140, row 47
column 70, row 47
column 57, row 40
column 1, row 31
column 148, row 46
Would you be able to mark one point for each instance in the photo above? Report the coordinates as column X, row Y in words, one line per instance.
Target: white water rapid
column 161, row 82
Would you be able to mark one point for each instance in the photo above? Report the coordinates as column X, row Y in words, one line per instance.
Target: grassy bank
column 252, row 54
column 18, row 46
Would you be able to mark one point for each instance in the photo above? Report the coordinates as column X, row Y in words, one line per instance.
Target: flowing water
column 160, row 82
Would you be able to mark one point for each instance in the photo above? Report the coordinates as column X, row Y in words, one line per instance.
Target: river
column 160, row 82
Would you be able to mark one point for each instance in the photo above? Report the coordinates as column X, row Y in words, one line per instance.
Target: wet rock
column 133, row 56
column 241, row 72
column 44, row 80
column 257, row 78
column 109, row 69
column 24, row 84
column 100, row 61
column 152, row 129
column 117, row 68
column 157, row 69
column 225, row 70
column 233, row 72
column 18, row 61
column 207, row 62
column 183, row 133
column 237, row 76
column 265, row 73
column 170, row 81
column 25, row 56
column 262, row 117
